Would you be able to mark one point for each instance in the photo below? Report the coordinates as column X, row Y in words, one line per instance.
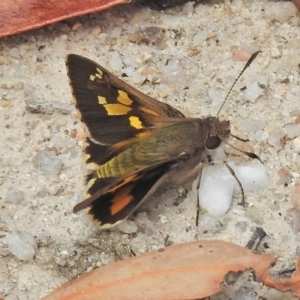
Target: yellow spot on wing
column 116, row 109
column 123, row 98
column 102, row 100
column 90, row 183
column 92, row 77
column 100, row 72
column 149, row 111
column 135, row 122
column 92, row 166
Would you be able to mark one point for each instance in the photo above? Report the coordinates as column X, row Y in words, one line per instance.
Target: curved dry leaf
column 21, row 15
column 184, row 271
column 292, row 284
column 297, row 4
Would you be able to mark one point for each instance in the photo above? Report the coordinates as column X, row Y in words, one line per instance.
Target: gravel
column 190, row 57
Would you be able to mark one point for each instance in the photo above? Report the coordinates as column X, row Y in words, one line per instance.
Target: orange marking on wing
column 149, row 111
column 121, row 199
column 126, row 180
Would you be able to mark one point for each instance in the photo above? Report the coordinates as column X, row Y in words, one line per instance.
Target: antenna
column 249, row 62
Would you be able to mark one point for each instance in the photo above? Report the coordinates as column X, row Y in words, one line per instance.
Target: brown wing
column 112, row 110
column 107, row 205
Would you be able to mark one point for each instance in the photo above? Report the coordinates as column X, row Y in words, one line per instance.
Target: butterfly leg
column 197, row 191
column 239, row 183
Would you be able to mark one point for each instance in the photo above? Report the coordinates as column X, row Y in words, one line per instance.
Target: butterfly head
column 218, row 131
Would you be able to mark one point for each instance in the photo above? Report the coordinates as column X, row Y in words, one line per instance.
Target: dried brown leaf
column 184, row 271
column 21, row 15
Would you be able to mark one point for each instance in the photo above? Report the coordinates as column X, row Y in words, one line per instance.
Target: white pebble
column 276, row 138
column 141, row 218
column 48, row 163
column 295, row 199
column 251, row 125
column 116, row 32
column 253, row 91
column 199, row 38
column 15, row 197
column 282, row 11
column 216, row 190
column 292, row 130
column 128, row 226
column 252, row 178
column 115, row 62
column 217, row 185
column 188, row 8
column 138, row 78
column 194, row 89
column 275, row 52
column 209, row 223
column 162, row 219
column 22, row 244
column 296, row 143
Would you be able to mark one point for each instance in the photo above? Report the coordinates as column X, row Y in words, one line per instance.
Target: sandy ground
column 190, row 57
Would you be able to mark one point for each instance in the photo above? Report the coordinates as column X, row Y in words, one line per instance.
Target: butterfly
column 135, row 144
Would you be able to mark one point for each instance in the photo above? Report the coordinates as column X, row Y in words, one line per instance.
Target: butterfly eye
column 212, row 142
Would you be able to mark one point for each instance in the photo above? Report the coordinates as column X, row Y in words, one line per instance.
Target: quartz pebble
column 292, row 130
column 115, row 62
column 244, row 294
column 295, row 199
column 188, row 8
column 15, row 197
column 22, row 244
column 253, row 91
column 293, row 218
column 217, row 185
column 276, row 138
column 296, row 143
column 48, row 163
column 199, row 38
column 128, row 227
column 209, row 223
column 282, row 11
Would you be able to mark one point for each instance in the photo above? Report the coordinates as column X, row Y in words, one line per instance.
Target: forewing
column 112, row 110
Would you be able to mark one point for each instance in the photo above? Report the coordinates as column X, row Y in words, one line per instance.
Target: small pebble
column 162, row 219
column 244, row 294
column 295, row 198
column 76, row 26
column 242, row 226
column 251, row 125
column 199, row 38
column 293, row 218
column 14, row 197
column 282, row 11
column 128, row 227
column 209, row 223
column 276, row 138
column 253, row 91
column 22, row 244
column 188, row 8
column 285, row 176
column 292, row 130
column 296, row 143
column 115, row 62
column 241, row 55
column 48, row 163
column 275, row 52
column 254, row 214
